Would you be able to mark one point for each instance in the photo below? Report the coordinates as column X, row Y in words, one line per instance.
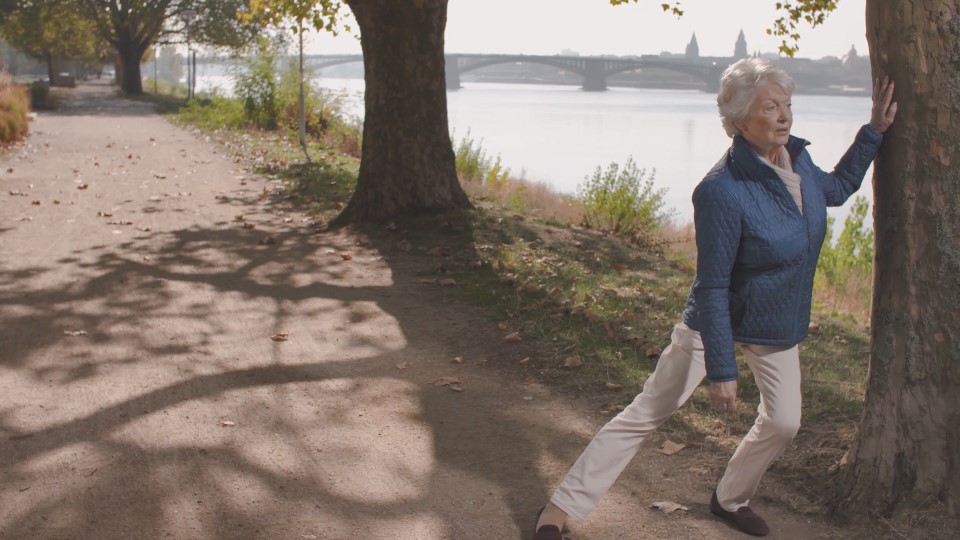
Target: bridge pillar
column 594, row 79
column 452, row 68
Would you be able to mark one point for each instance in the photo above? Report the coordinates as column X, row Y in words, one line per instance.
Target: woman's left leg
column 777, row 372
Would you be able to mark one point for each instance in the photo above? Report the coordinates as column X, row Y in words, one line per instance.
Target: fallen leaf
column 528, row 398
column 502, row 326
column 524, row 361
column 288, row 220
column 227, row 423
column 83, row 186
column 556, row 292
column 572, row 362
column 668, row 507
column 457, row 360
column 280, row 337
column 75, row 333
column 614, row 386
column 56, row 201
column 403, row 365
column 248, row 225
column 35, row 203
column 652, row 351
column 446, row 282
column 238, row 217
column 17, row 193
column 452, row 383
column 619, row 267
column 814, row 328
column 512, row 337
column 346, row 256
column 669, row 448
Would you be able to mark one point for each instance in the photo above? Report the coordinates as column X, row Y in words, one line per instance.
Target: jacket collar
column 742, row 158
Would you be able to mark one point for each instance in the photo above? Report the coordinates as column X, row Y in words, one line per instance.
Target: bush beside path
column 184, row 355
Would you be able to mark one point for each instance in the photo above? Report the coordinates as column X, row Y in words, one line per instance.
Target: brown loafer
column 744, row 518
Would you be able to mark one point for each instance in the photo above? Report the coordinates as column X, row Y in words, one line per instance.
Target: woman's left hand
column 884, row 108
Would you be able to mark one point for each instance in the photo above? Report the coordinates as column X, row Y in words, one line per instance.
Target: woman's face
column 767, row 126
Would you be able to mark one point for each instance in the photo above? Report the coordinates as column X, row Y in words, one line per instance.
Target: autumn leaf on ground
column 280, row 337
column 403, row 365
column 346, row 256
column 248, row 225
column 652, row 351
column 227, row 423
column 35, row 203
column 452, row 383
column 668, row 507
column 669, row 448
column 75, row 333
column 457, row 360
column 613, row 386
column 83, row 186
column 572, row 362
column 512, row 337
column 524, row 361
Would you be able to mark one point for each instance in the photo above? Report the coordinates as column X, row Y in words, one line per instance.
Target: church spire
column 740, row 50
column 693, row 50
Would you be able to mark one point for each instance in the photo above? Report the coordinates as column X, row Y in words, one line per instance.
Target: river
column 561, row 134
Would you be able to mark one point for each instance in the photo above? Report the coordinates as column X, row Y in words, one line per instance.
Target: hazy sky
column 595, row 27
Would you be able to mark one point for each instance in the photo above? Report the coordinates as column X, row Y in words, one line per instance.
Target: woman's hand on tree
column 884, row 108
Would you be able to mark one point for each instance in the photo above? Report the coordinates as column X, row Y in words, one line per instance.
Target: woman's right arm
column 716, row 215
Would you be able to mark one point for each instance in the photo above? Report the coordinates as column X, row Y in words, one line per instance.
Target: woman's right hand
column 723, row 396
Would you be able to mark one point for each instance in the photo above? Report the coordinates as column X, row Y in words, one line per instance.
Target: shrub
column 845, row 268
column 623, row 200
column 473, row 165
column 255, row 83
column 14, row 106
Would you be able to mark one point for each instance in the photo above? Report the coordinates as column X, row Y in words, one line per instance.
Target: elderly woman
column 760, row 218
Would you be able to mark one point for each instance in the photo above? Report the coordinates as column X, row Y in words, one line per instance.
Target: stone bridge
column 593, row 69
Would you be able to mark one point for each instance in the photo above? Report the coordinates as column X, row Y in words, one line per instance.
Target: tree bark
column 130, row 54
column 407, row 167
column 908, row 446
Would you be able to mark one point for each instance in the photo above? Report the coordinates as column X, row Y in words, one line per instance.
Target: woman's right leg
column 679, row 371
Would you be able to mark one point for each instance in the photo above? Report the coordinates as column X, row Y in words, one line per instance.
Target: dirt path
column 174, row 415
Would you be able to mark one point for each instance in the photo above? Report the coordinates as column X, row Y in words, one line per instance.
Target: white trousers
column 679, row 371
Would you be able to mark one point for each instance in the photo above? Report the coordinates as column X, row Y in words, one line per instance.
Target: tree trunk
column 908, row 446
column 51, row 69
column 407, row 167
column 130, row 54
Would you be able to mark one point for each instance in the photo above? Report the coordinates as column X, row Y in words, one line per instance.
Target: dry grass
column 14, row 106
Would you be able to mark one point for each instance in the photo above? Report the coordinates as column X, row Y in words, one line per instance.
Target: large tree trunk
column 908, row 446
column 407, row 166
column 130, row 52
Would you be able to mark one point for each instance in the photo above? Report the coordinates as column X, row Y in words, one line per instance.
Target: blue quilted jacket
column 756, row 253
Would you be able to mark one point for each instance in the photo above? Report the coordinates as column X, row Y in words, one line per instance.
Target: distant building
column 693, row 50
column 740, row 49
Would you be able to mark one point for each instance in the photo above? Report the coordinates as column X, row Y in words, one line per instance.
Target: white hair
column 739, row 84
